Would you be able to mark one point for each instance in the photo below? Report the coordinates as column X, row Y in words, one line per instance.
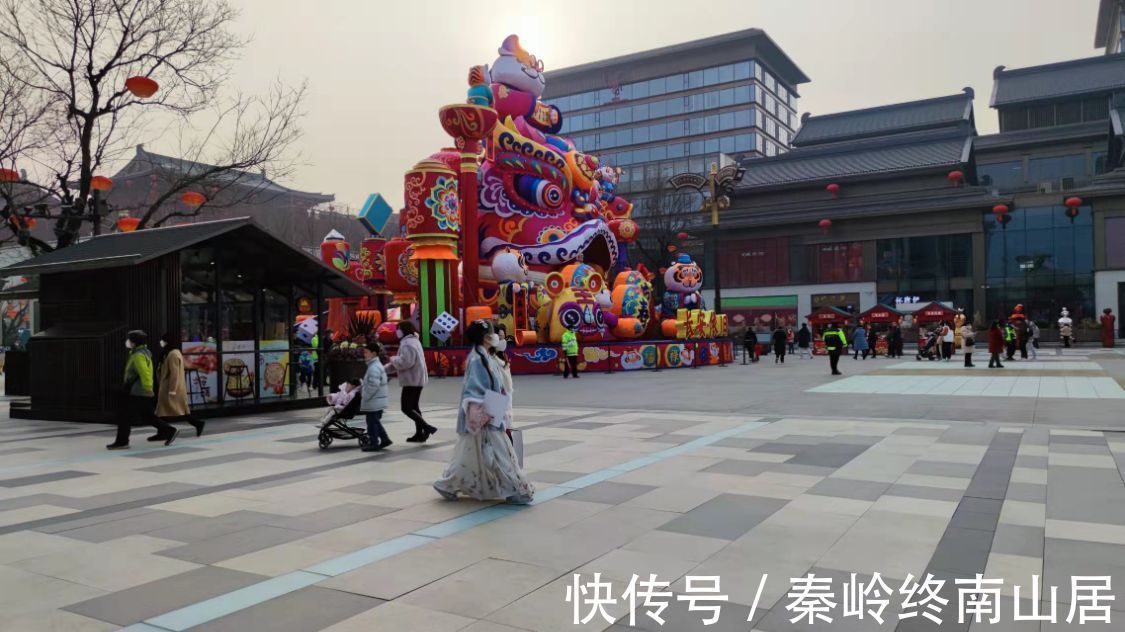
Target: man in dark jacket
column 804, row 340
column 750, row 345
column 835, row 341
column 894, row 342
column 780, row 342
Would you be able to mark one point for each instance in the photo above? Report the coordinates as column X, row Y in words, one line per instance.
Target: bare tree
column 79, row 54
column 662, row 218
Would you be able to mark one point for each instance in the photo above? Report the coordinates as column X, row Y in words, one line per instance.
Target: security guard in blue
column 835, row 342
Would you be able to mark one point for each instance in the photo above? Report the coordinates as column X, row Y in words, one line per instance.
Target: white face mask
column 163, row 344
column 492, row 340
column 502, row 344
column 128, row 344
column 398, row 332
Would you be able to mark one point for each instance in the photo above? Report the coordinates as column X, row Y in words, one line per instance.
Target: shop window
column 1115, row 242
column 1001, row 174
column 1049, row 169
column 839, row 262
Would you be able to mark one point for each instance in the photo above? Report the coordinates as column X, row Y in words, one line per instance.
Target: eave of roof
column 866, row 123
column 1104, row 73
column 1059, row 133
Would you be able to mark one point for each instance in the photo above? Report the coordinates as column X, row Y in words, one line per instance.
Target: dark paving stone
column 207, row 528
column 25, row 481
column 1074, row 448
column 833, row 455
column 585, row 425
column 31, row 500
column 1012, row 539
column 924, row 432
column 923, row 492
column 132, row 525
column 609, row 492
column 739, row 467
column 962, row 551
column 159, row 454
column 159, row 493
column 373, row 488
column 8, row 451
column 727, row 516
column 1063, row 439
column 219, row 459
column 674, row 439
column 804, row 470
column 981, row 505
column 552, row 477
column 738, row 442
column 967, row 435
column 777, row 447
column 59, row 526
column 1037, row 462
column 974, row 520
column 234, row 544
column 332, row 517
column 303, row 610
column 847, row 488
column 940, row 468
column 867, row 440
column 136, row 604
column 282, row 481
column 547, row 445
column 311, row 439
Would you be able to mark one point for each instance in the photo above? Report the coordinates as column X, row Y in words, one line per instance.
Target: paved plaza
column 898, row 468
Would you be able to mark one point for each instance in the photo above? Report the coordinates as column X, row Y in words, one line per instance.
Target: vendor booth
column 932, row 314
column 880, row 318
column 820, row 320
column 231, row 290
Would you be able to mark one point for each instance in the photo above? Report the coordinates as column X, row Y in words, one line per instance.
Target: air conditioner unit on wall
column 1046, row 187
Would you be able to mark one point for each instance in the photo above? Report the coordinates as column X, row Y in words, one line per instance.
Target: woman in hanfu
column 484, row 465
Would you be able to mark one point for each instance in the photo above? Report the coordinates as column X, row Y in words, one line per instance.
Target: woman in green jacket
column 140, row 404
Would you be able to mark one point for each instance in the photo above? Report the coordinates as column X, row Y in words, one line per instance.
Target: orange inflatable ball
column 668, row 328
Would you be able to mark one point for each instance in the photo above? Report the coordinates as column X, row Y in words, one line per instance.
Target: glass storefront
column 1043, row 260
column 237, row 331
column 777, row 261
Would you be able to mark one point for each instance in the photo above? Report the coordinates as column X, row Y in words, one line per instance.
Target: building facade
column 1110, row 33
column 906, row 204
column 677, row 108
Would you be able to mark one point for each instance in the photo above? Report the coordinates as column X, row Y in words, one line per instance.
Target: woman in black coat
column 780, row 342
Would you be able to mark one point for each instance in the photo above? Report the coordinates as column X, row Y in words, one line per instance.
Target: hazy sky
column 378, row 70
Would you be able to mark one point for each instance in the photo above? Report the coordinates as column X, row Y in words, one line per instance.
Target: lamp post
column 716, row 188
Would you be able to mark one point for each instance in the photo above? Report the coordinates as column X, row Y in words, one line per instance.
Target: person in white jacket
column 409, row 363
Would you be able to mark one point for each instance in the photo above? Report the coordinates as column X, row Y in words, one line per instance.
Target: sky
column 378, row 70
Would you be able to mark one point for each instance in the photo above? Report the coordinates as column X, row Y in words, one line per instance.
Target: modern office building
column 675, row 109
column 1110, row 33
column 902, row 204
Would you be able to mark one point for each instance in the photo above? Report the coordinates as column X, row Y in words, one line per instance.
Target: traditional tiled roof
column 887, row 154
column 1040, row 136
column 911, row 116
column 1093, row 75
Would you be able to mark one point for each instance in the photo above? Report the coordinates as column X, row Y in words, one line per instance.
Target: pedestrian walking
column 409, row 363
column 139, row 405
column 1009, row 340
column 968, row 341
column 804, row 341
column 779, row 344
column 894, row 343
column 484, row 465
column 790, row 340
column 373, row 398
column 1033, row 343
column 1108, row 331
column 1023, row 336
column 172, row 391
column 947, row 337
column 859, row 342
column 872, row 339
column 570, row 352
column 750, row 344
column 835, row 341
column 997, row 340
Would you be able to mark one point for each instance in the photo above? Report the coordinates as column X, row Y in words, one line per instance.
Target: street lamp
column 716, row 189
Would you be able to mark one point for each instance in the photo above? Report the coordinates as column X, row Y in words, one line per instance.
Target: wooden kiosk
column 819, row 321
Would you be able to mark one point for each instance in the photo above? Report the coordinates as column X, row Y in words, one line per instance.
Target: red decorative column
column 469, row 125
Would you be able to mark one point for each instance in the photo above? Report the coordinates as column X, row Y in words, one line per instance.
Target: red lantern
column 956, row 178
column 671, row 247
column 682, row 236
column 193, row 198
column 101, row 183
column 825, row 224
column 128, row 224
column 833, row 188
column 142, row 87
column 1073, row 202
column 9, row 175
column 1000, row 209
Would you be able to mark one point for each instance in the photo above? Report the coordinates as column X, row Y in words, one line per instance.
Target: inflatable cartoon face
column 517, row 68
column 509, row 266
column 632, row 297
column 684, row 275
column 576, row 309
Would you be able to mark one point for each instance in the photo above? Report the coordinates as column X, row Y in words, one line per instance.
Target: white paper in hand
column 496, row 405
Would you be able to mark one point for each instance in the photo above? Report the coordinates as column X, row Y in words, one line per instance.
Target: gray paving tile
column 923, row 432
column 967, row 435
column 373, row 488
column 207, row 528
column 609, row 492
column 829, row 454
column 942, row 468
column 25, row 481
column 136, row 604
column 218, row 459
column 739, row 467
column 727, row 516
column 77, row 523
column 1027, row 492
column 234, row 544
column 923, row 492
column 303, row 610
column 804, row 470
column 1078, row 448
column 547, row 445
column 1011, row 539
column 1076, row 440
column 674, row 439
column 132, row 525
column 1085, row 494
column 160, row 454
column 585, row 425
column 858, row 439
column 284, row 480
column 777, row 447
column 981, row 505
column 848, row 488
column 738, row 442
column 23, row 450
column 145, row 492
column 1063, row 559
column 962, row 551
column 332, row 517
column 31, row 500
column 974, row 520
column 552, row 477
column 1037, row 462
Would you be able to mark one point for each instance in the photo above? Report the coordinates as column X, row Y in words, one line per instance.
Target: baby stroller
column 929, row 349
column 338, row 428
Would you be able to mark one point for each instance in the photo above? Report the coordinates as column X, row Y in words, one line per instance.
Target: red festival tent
column 935, row 312
column 826, row 315
column 881, row 314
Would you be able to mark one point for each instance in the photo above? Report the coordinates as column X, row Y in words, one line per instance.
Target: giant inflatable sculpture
column 516, row 223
